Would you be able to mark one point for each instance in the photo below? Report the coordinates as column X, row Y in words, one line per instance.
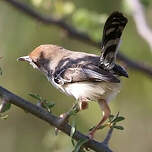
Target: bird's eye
column 36, row 63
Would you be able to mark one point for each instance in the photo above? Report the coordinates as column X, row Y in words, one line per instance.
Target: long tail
column 112, row 32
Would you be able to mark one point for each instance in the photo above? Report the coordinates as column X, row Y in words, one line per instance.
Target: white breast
column 91, row 90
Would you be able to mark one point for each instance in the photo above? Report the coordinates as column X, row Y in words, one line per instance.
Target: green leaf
column 50, row 104
column 74, row 110
column 73, row 129
column 1, row 72
column 47, row 105
column 119, row 127
column 44, row 105
column 43, row 102
column 91, row 128
column 103, row 126
column 118, row 119
column 35, row 96
column 72, row 113
column 6, row 107
column 73, row 142
column 111, row 117
column 79, row 144
column 4, row 117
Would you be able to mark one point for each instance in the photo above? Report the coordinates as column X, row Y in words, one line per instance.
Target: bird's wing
column 112, row 32
column 79, row 74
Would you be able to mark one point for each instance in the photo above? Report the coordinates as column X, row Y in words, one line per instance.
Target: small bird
column 86, row 77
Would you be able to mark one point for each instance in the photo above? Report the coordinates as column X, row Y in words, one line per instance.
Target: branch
column 109, row 134
column 108, row 137
column 51, row 119
column 140, row 20
column 72, row 32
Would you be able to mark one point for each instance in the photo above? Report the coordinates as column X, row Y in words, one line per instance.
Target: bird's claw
column 91, row 133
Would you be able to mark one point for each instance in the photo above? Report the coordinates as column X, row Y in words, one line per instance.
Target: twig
column 109, row 134
column 51, row 119
column 72, row 32
column 140, row 21
column 108, row 137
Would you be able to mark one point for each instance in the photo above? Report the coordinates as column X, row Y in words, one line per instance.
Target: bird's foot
column 83, row 105
column 92, row 133
column 91, row 136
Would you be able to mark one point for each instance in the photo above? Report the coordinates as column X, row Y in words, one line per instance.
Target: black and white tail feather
column 111, row 39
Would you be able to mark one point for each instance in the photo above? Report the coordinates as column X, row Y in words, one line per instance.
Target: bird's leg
column 106, row 113
column 81, row 105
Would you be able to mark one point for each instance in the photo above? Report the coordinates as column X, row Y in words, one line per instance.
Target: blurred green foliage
column 78, row 146
column 19, row 34
column 146, row 3
column 89, row 22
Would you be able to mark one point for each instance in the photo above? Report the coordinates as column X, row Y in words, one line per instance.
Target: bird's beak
column 29, row 60
column 25, row 58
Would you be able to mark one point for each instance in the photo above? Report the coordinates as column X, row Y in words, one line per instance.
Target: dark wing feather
column 79, row 74
column 112, row 32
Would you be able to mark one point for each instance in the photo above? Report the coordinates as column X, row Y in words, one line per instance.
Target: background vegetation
column 20, row 34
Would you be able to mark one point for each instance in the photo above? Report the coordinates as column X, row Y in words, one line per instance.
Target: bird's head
column 42, row 57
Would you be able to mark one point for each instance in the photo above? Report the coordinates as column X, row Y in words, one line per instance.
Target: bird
column 87, row 77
